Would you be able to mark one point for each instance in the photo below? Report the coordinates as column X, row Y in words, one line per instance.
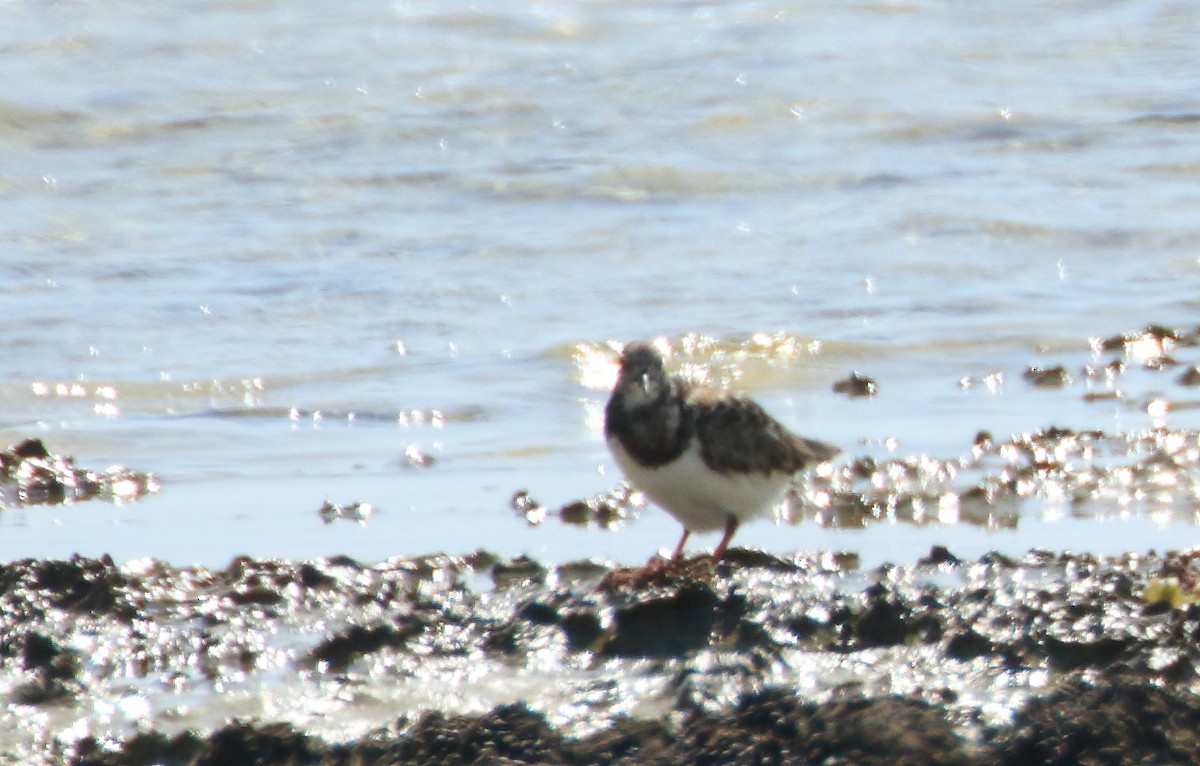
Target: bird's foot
column 659, row 572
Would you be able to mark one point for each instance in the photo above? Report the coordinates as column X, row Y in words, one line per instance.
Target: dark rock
column 1189, row 377
column 528, row 508
column 518, row 571
column 40, row 485
column 1067, row 655
column 1047, row 377
column 997, row 559
column 45, row 690
column 38, row 652
column 39, row 477
column 1172, row 665
column 30, row 448
column 667, row 626
column 258, row 595
column 578, row 513
column 582, row 628
column 856, row 385
column 773, row 727
column 938, row 555
column 538, row 613
column 1118, row 689
column 1161, row 332
column 245, row 743
column 344, row 561
column 885, row 622
column 756, row 559
column 54, row 669
column 511, row 732
column 749, row 637
column 335, row 654
column 1153, row 332
column 864, row 467
column 144, row 749
column 502, row 639
column 311, row 577
column 83, row 585
column 805, row 626
column 1121, row 722
column 967, row 645
column 630, row 741
column 1114, row 342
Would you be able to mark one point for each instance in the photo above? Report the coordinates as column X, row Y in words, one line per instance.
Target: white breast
column 700, row 498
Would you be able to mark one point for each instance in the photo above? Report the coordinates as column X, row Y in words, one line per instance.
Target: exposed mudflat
column 806, row 658
column 1051, row 659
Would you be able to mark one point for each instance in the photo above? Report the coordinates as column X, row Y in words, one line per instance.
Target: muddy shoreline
column 1051, row 658
column 1055, row 658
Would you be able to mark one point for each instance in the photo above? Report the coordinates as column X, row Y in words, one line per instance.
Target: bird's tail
column 815, row 451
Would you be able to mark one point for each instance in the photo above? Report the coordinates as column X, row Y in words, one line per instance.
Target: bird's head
column 642, row 379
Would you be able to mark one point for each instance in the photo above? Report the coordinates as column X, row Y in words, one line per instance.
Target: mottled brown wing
column 738, row 435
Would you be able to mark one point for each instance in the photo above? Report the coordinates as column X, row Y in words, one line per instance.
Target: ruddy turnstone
column 710, row 458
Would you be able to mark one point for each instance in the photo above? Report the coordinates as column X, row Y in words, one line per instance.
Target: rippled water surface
column 279, row 254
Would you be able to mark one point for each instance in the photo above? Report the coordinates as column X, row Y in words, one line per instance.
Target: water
column 271, row 253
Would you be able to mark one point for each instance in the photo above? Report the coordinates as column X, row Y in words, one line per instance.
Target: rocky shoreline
column 1116, row 721
column 1055, row 658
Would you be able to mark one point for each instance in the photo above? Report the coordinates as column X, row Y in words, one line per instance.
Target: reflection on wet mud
column 411, row 658
column 1083, row 474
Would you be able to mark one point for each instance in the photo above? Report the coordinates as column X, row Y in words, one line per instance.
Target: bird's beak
column 644, row 379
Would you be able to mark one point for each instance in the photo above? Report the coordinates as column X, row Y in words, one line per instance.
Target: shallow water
column 279, row 255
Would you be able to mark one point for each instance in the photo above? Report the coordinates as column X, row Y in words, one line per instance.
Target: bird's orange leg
column 678, row 554
column 731, row 526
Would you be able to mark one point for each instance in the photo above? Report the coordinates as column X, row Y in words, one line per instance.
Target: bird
column 710, row 458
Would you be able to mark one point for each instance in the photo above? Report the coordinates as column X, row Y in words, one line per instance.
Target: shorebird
column 711, row 459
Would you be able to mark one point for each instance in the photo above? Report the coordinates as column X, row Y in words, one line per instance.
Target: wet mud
column 1053, row 658
column 1050, row 659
